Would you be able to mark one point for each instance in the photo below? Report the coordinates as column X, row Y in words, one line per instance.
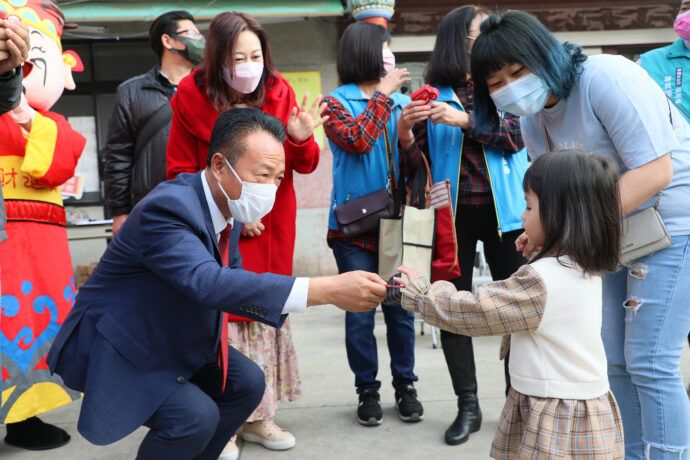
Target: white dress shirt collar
column 219, row 222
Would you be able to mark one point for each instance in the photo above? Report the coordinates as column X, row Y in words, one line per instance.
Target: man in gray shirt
column 14, row 50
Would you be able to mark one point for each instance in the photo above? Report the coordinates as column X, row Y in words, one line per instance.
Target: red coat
column 192, row 123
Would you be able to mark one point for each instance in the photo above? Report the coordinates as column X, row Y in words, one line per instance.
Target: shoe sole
column 371, row 422
column 268, row 444
column 39, row 448
column 414, row 418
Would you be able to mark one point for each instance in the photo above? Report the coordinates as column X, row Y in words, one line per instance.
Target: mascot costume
column 38, row 153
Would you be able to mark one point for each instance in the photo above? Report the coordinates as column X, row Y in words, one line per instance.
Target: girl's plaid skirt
column 545, row 428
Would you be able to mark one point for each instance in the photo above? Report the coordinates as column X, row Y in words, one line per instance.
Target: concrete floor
column 323, row 421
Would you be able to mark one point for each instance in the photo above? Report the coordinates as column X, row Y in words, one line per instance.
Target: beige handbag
column 409, row 240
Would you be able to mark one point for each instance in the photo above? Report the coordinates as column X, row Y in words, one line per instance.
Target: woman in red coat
column 238, row 71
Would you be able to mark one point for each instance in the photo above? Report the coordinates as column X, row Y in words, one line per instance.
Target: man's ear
column 217, row 165
column 166, row 40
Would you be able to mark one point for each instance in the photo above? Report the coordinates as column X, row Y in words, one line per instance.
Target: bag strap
column 390, row 180
column 154, row 124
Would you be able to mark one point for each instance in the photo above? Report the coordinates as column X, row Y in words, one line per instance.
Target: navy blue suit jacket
column 149, row 317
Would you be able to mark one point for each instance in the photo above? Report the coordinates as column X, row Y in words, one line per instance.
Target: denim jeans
column 645, row 325
column 360, row 342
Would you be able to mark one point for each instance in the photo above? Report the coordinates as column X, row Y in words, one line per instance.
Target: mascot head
column 48, row 71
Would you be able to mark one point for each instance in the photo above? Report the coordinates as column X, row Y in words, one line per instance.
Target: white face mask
column 255, row 201
column 522, row 97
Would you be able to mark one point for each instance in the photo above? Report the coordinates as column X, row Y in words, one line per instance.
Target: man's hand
column 447, row 115
column 253, row 230
column 302, row 122
column 356, row 291
column 14, row 44
column 393, row 81
column 117, row 222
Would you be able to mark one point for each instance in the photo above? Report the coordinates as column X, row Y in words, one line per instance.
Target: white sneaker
column 231, row 451
column 268, row 434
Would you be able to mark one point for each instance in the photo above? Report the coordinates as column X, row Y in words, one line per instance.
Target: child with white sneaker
column 560, row 404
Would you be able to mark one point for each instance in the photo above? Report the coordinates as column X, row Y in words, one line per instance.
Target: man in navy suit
column 143, row 341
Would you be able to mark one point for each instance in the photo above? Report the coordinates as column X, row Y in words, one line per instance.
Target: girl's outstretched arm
column 502, row 307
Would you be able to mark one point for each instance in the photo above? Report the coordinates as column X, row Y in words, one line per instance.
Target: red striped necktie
column 224, row 248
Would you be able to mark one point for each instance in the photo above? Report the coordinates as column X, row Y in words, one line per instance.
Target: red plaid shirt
column 474, row 187
column 358, row 136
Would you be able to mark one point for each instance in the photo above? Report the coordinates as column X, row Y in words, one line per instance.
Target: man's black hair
column 232, row 128
column 166, row 24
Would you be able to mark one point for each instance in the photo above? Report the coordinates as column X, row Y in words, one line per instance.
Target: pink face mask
column 388, row 60
column 682, row 25
column 246, row 77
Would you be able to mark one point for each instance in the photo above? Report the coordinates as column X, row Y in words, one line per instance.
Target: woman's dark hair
column 360, row 56
column 165, row 24
column 579, row 208
column 517, row 37
column 449, row 63
column 220, row 53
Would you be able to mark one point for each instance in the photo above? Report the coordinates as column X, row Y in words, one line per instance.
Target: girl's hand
column 253, row 230
column 393, row 81
column 410, row 274
column 523, row 245
column 302, row 123
column 447, row 115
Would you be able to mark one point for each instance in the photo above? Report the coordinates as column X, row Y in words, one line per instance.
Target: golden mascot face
column 48, row 71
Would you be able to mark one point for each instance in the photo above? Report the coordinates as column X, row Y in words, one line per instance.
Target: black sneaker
column 409, row 407
column 369, row 411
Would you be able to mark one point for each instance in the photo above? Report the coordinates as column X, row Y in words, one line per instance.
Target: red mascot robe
column 36, row 268
column 192, row 124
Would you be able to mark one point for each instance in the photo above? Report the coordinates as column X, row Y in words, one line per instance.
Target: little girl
column 560, row 405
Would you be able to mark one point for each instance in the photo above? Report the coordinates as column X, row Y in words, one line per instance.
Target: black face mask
column 194, row 51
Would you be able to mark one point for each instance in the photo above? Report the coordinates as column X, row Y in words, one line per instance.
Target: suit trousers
column 477, row 223
column 197, row 420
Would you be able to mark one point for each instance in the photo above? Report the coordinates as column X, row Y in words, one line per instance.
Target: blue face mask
column 523, row 97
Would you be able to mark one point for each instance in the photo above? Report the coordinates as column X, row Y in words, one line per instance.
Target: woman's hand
column 393, row 81
column 447, row 115
column 412, row 113
column 302, row 122
column 253, row 230
column 523, row 245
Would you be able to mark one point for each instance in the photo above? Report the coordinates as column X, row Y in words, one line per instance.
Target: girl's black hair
column 360, row 56
column 449, row 63
column 579, row 208
column 517, row 37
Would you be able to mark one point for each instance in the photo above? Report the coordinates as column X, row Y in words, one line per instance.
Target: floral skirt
column 532, row 427
column 272, row 349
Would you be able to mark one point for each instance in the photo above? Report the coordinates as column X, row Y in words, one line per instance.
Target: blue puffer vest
column 354, row 174
column 506, row 169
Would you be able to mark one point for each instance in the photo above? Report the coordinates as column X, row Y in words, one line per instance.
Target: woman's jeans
column 360, row 342
column 645, row 327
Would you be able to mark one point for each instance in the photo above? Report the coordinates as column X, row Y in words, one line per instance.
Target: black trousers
column 477, row 223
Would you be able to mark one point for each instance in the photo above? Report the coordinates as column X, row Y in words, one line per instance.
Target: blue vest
column 670, row 68
column 356, row 174
column 506, row 169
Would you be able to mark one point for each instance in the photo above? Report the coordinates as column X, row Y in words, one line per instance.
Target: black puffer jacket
column 129, row 179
